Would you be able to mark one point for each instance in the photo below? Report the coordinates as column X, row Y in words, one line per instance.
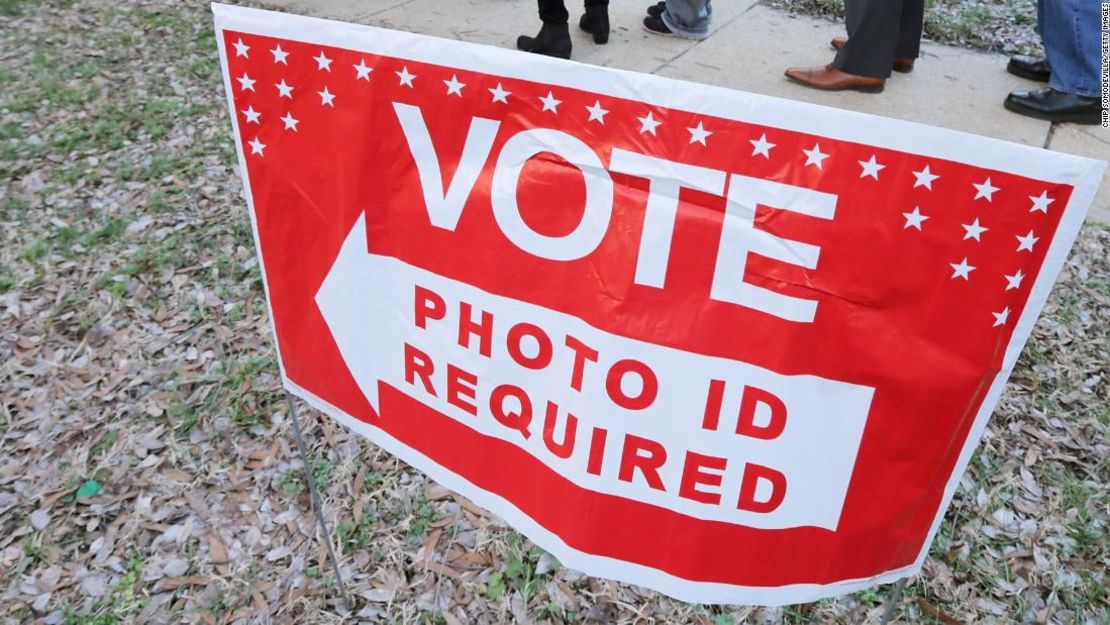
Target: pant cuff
column 1080, row 90
column 683, row 31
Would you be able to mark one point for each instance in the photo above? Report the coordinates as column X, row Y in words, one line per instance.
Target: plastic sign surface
column 733, row 348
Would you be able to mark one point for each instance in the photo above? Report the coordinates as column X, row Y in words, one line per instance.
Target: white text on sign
column 739, row 236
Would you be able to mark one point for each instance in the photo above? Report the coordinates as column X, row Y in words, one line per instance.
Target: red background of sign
column 890, row 314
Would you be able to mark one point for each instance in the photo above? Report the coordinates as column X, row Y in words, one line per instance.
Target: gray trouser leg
column 879, row 31
column 689, row 18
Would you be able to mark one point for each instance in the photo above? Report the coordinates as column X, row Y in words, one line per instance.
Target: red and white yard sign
column 730, row 347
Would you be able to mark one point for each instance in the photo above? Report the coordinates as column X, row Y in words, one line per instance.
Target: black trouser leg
column 553, row 12
column 873, row 27
column 909, row 36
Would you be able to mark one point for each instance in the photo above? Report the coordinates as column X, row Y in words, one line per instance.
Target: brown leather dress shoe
column 831, row 79
column 904, row 66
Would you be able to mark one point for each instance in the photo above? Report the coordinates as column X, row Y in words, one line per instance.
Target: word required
column 630, row 384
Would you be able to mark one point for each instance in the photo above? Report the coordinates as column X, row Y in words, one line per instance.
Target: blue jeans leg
column 1070, row 31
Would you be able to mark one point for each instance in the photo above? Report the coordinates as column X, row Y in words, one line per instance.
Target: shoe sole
column 866, row 89
column 861, row 88
column 674, row 34
column 557, row 55
column 1072, row 118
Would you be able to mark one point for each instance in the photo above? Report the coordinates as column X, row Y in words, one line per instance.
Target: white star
column 1001, row 317
column 454, row 86
column 550, row 103
column 246, row 83
column 973, row 230
column 406, row 77
column 925, row 178
column 1041, row 203
column 279, row 55
column 1014, row 281
column 871, row 168
column 284, row 90
column 648, row 123
column 984, row 190
column 699, row 134
column 241, row 48
column 257, row 146
column 326, row 98
column 499, row 94
column 363, row 70
column 290, row 122
column 815, row 157
column 1026, row 242
column 914, row 219
column 322, row 62
column 761, row 146
column 961, row 269
column 597, row 113
column 252, row 115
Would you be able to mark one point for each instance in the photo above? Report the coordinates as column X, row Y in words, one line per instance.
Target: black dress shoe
column 596, row 22
column 552, row 40
column 1055, row 106
column 657, row 9
column 1031, row 67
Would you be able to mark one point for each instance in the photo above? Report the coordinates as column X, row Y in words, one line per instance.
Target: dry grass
column 147, row 470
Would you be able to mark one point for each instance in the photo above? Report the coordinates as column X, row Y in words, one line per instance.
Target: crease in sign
column 703, row 436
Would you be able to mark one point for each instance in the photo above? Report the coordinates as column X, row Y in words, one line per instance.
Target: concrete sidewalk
column 749, row 49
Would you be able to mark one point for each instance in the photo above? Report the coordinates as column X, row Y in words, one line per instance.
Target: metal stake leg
column 319, row 509
column 892, row 601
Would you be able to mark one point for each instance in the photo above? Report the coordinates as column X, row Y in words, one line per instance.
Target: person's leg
column 872, row 37
column 1033, row 67
column 688, row 18
column 553, row 12
column 909, row 34
column 553, row 38
column 1071, row 42
column 596, row 20
column 1070, row 31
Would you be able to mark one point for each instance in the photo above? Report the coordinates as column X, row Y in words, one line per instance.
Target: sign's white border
column 1084, row 174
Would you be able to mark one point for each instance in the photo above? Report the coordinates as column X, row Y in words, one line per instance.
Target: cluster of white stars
column 984, row 190
column 550, row 104
column 285, row 90
column 814, row 157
